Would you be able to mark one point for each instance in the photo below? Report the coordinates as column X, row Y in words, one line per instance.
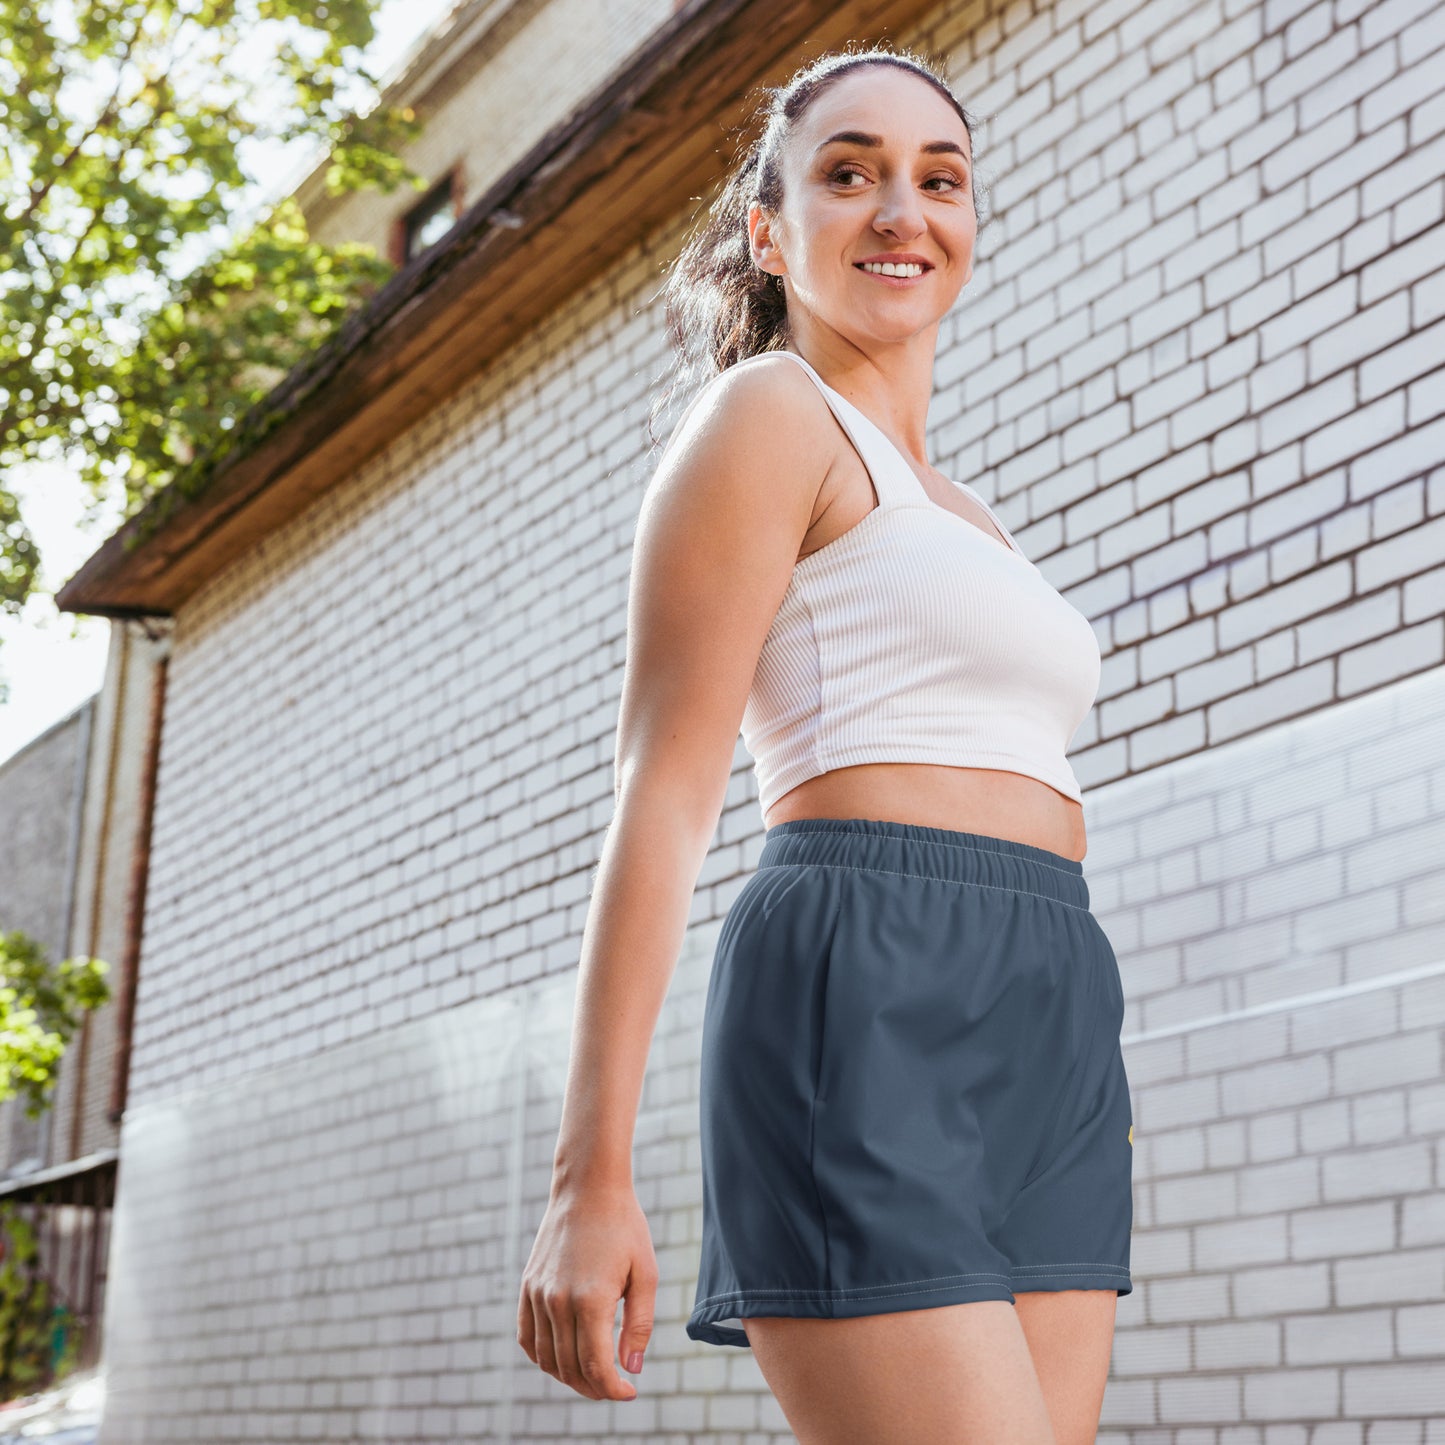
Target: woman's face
column 900, row 183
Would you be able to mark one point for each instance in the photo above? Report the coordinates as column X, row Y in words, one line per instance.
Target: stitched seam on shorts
column 929, row 878
column 872, row 1291
column 929, row 843
column 1073, row 1274
column 1070, row 1265
column 813, row 1105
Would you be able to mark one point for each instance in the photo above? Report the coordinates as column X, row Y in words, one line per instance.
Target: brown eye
column 836, row 174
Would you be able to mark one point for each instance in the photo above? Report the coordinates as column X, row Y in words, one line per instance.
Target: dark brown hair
column 719, row 307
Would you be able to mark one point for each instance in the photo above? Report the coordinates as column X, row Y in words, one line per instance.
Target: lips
column 904, row 260
column 897, row 280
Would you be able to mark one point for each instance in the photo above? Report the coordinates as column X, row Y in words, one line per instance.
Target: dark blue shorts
column 912, row 1087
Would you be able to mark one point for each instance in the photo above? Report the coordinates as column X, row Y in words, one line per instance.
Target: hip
column 878, row 962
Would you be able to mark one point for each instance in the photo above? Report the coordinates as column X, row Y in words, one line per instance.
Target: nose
column 900, row 211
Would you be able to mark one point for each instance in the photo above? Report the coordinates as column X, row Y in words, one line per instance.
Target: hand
column 593, row 1248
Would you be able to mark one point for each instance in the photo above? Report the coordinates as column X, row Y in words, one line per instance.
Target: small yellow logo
column 1131, row 1136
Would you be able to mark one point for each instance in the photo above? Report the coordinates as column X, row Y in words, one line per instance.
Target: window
column 429, row 220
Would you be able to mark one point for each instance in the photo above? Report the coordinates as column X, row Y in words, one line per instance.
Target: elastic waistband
column 912, row 850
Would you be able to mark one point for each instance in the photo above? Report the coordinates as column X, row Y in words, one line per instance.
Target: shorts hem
column 1032, row 1278
column 703, row 1324
column 830, row 1305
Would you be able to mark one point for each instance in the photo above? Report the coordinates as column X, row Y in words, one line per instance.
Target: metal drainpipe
column 72, row 863
column 97, row 909
column 136, row 893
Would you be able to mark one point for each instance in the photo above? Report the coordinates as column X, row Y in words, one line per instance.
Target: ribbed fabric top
column 915, row 637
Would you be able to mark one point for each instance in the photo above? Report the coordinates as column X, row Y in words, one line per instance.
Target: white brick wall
column 1195, row 371
column 1275, row 907
column 1200, row 366
column 332, row 1248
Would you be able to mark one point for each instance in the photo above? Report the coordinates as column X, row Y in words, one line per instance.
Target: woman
column 915, row 1122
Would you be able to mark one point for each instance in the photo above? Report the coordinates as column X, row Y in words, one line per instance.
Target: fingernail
column 634, row 1362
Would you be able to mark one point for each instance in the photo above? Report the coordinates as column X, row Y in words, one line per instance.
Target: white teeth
column 890, row 268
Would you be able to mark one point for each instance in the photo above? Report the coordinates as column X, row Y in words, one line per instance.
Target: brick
column 1343, row 1229
column 1390, row 183
column 1341, row 1338
column 1154, row 1351
column 1344, row 1020
column 1197, row 1297
column 1195, row 1197
column 1219, row 677
column 1282, row 1289
column 1260, row 1240
column 1271, row 702
column 1288, row 1184
column 1275, row 1135
column 1407, row 1059
column 1175, row 1151
column 1292, row 602
column 1374, row 1173
column 1390, row 1278
column 1238, row 1345
column 1420, row 1330
column 1394, row 1389
column 1422, row 1220
column 1293, row 1394
column 1205, row 1398
column 1175, row 738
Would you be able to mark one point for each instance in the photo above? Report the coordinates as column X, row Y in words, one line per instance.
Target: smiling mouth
column 915, row 271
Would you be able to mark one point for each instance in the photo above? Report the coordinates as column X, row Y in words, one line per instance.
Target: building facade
column 1198, row 372
column 75, row 811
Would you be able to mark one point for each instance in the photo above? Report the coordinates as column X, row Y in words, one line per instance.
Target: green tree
column 143, row 308
column 41, row 1005
column 32, row 1313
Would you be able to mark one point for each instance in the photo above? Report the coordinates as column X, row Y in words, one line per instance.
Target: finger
column 546, row 1338
column 594, row 1351
column 564, row 1337
column 526, row 1325
column 639, row 1308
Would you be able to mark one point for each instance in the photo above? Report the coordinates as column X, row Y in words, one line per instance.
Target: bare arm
column 720, row 528
column 718, row 533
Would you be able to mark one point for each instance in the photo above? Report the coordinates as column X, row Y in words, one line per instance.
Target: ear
column 766, row 254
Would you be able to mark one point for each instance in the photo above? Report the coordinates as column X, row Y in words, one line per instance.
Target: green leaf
column 144, row 318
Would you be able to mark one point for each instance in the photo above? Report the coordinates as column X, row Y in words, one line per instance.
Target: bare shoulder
column 765, row 410
column 718, row 536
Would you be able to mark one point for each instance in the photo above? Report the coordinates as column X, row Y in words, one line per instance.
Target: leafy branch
column 145, row 307
column 41, row 1006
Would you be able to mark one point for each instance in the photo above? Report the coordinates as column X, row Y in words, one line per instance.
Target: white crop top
column 916, row 637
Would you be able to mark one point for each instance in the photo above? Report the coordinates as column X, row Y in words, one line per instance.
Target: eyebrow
column 875, row 142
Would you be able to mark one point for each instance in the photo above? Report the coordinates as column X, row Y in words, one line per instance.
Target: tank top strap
column 894, row 480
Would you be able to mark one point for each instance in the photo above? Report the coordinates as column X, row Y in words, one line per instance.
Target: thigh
column 1071, row 1336
column 958, row 1374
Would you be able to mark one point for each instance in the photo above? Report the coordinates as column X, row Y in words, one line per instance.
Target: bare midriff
column 990, row 801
